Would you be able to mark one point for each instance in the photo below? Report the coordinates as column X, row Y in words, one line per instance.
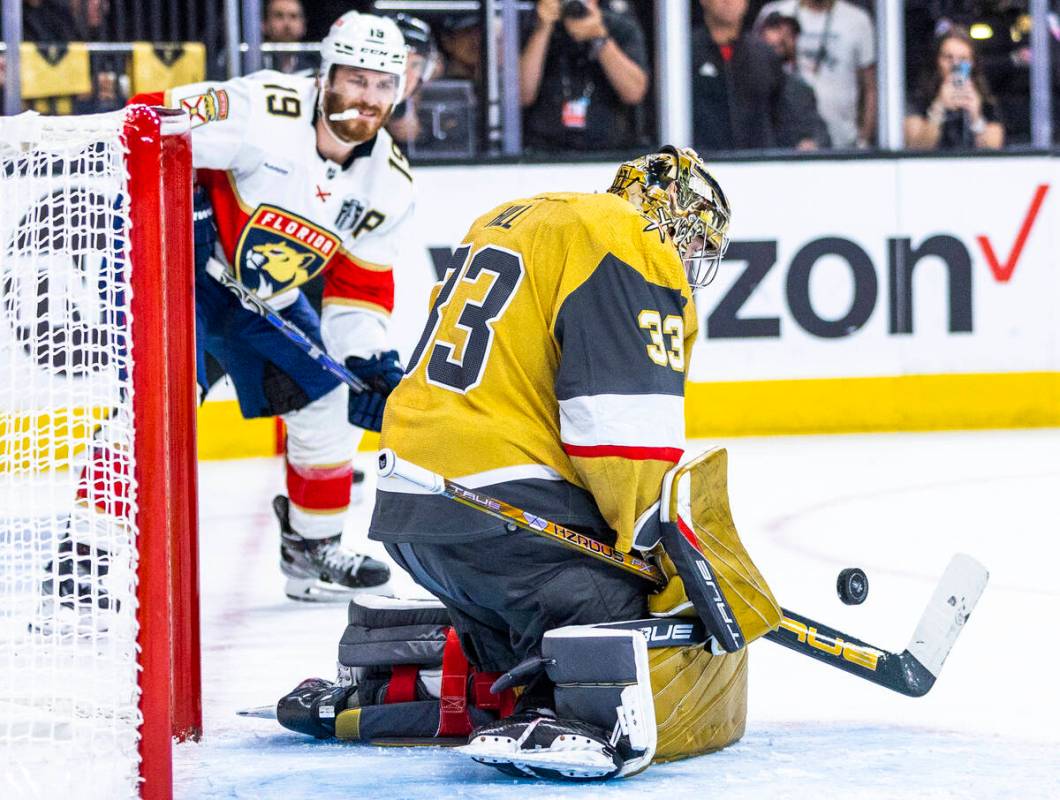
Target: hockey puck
column 852, row 586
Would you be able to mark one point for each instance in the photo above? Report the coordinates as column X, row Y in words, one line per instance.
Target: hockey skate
column 75, row 590
column 319, row 570
column 536, row 744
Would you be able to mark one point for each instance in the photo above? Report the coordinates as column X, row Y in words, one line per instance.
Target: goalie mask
column 362, row 76
column 674, row 190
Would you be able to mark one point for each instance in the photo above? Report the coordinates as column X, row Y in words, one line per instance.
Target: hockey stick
column 912, row 672
column 252, row 302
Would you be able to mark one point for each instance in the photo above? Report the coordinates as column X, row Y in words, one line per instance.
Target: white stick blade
column 952, row 603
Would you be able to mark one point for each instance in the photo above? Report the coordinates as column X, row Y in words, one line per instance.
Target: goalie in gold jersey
column 551, row 375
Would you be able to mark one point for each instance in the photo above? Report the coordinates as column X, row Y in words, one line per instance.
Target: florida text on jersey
column 285, row 213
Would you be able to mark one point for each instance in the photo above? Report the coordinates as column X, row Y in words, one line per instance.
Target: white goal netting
column 68, row 654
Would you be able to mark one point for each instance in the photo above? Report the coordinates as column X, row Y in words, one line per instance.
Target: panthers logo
column 281, row 261
column 280, row 250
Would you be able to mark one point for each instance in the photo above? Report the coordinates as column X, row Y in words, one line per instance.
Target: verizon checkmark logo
column 1003, row 272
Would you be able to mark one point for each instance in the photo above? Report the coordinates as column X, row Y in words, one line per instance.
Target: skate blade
column 574, row 757
column 260, row 712
column 311, row 590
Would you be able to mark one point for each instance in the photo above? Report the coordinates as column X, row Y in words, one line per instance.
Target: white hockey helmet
column 367, row 42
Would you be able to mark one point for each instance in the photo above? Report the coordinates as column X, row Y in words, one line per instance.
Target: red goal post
column 163, row 331
column 97, row 403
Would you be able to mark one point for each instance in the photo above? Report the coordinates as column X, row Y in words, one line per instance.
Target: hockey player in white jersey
column 303, row 179
column 296, row 177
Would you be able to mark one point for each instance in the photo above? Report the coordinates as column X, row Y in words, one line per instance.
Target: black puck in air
column 852, row 586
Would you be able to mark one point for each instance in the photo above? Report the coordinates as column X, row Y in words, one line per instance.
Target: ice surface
column 896, row 505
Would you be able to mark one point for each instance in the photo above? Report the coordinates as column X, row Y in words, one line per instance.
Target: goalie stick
column 252, row 302
column 912, row 672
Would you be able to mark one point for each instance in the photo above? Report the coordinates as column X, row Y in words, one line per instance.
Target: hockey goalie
column 550, row 375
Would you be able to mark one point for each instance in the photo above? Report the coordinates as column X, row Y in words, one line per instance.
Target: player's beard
column 360, row 129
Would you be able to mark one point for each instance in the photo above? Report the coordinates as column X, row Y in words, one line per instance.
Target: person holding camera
column 582, row 73
column 953, row 107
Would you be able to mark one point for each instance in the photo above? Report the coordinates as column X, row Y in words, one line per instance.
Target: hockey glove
column 381, row 373
column 203, row 227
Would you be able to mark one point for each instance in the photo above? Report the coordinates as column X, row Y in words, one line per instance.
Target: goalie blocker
column 709, row 572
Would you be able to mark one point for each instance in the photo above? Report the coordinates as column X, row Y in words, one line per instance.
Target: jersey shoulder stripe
column 621, row 335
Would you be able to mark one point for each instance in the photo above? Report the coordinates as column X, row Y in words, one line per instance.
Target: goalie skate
column 537, row 745
column 320, row 570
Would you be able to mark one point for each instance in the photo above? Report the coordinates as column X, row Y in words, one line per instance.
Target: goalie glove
column 381, row 373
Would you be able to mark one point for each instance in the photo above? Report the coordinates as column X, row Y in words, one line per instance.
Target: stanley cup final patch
column 279, row 250
column 349, row 214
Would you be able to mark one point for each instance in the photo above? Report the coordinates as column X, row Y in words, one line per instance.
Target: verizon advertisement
column 836, row 269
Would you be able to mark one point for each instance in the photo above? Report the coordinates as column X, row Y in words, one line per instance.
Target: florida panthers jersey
column 551, row 370
column 285, row 213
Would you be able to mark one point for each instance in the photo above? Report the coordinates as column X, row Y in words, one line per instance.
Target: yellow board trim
column 849, row 405
column 738, row 408
column 42, row 440
column 223, row 433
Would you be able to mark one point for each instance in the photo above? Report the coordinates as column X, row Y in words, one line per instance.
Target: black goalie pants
column 505, row 591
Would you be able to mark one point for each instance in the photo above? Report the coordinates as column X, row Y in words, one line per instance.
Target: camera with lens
column 574, row 9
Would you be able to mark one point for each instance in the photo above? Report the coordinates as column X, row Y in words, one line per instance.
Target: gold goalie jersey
column 550, row 373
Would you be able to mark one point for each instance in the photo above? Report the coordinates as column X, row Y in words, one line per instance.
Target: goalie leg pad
column 402, row 674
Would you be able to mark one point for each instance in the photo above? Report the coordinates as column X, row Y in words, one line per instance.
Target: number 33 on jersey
column 560, row 335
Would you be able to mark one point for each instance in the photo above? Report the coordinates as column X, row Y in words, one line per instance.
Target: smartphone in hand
column 961, row 72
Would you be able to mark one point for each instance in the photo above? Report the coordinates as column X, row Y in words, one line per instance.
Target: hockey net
column 98, row 604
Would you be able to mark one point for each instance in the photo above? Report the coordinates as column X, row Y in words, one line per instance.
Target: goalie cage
column 96, row 346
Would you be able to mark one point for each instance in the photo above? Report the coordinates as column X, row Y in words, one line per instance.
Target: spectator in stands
column 837, row 57
column 47, row 21
column 285, row 23
column 738, row 100
column 781, row 33
column 404, row 125
column 108, row 68
column 460, row 40
column 582, row 74
column 91, row 19
column 952, row 106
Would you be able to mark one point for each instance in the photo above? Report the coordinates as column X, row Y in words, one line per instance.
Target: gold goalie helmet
column 680, row 198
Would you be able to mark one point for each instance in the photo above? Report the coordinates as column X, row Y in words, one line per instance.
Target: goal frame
column 159, row 164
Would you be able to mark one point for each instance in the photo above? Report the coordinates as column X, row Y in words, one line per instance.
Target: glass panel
column 784, row 74
column 968, row 75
